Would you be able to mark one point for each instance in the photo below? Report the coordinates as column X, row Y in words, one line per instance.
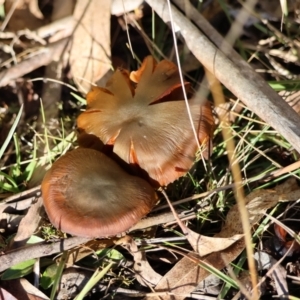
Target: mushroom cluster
column 134, row 136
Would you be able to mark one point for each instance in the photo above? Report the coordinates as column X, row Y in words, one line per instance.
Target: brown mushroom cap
column 148, row 126
column 85, row 193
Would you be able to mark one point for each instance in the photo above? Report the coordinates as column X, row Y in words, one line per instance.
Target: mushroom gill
column 143, row 116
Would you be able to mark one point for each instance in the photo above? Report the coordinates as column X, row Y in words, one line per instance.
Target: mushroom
column 144, row 117
column 87, row 194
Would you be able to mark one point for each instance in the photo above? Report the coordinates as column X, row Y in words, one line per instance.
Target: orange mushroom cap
column 86, row 193
column 148, row 125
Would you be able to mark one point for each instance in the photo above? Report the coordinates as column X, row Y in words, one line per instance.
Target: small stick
column 39, row 59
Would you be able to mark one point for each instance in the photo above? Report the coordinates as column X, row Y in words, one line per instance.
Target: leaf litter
column 217, row 251
column 257, row 203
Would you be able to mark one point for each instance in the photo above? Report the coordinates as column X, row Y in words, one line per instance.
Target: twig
column 28, row 193
column 38, row 250
column 11, row 258
column 64, row 24
column 178, row 220
column 159, row 220
column 42, row 58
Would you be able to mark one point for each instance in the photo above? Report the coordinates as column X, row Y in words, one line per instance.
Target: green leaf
column 285, row 85
column 111, row 254
column 58, row 274
column 7, row 186
column 80, row 99
column 24, row 268
column 48, row 276
column 2, row 11
column 34, row 239
column 19, row 270
column 30, row 168
column 98, row 274
column 91, row 261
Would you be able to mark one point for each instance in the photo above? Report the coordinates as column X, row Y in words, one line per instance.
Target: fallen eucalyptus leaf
column 144, row 272
column 90, row 52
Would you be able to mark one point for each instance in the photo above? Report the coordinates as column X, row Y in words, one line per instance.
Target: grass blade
column 11, row 132
column 93, row 281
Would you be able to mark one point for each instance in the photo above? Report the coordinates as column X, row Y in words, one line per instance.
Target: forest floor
column 234, row 233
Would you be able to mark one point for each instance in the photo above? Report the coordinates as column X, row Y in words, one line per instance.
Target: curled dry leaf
column 205, row 245
column 144, row 118
column 28, row 224
column 88, row 194
column 144, row 272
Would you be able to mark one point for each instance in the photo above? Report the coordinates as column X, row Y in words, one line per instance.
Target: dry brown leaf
column 90, row 53
column 29, row 224
column 181, row 279
column 144, row 272
column 205, row 245
column 185, row 276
